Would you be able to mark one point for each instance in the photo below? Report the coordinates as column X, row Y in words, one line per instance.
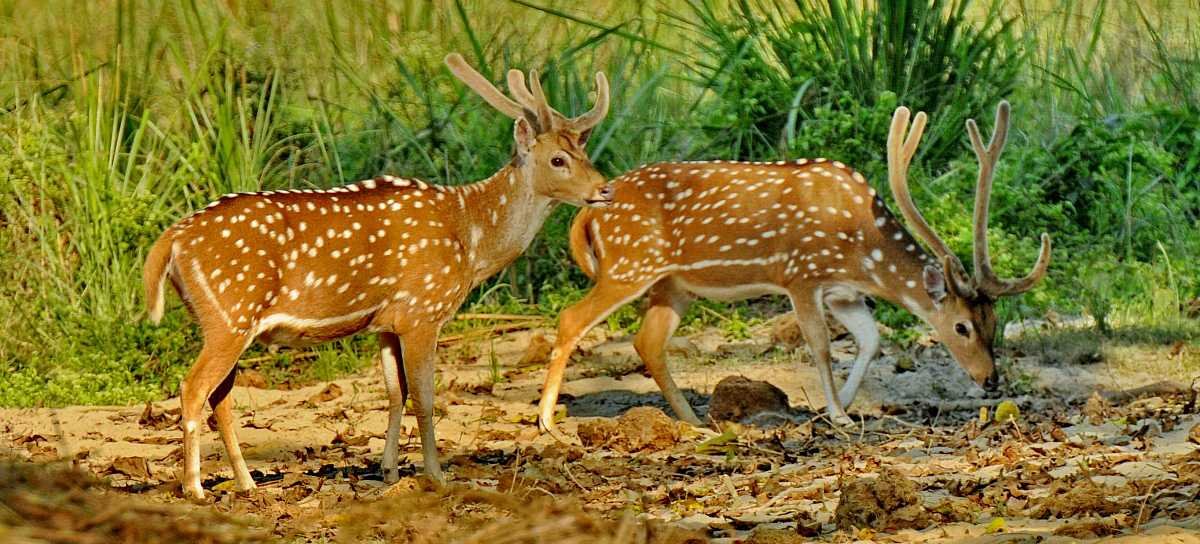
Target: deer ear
column 582, row 139
column 523, row 134
column 935, row 283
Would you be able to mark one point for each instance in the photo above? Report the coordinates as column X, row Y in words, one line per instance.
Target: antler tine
column 552, row 117
column 1018, row 286
column 985, row 276
column 533, row 106
column 599, row 110
column 484, row 88
column 900, row 151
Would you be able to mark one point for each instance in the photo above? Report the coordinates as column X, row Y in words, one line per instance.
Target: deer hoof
column 841, row 420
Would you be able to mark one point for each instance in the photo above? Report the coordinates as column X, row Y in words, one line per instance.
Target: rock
column 682, row 347
column 769, row 535
column 538, row 351
column 1090, row 528
column 887, row 502
column 737, row 398
column 248, row 377
column 698, row 522
column 785, row 330
column 641, row 428
column 1194, row 434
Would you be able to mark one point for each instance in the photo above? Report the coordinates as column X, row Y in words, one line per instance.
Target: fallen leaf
column 153, row 419
column 331, row 391
column 351, row 439
column 720, row 443
column 134, row 467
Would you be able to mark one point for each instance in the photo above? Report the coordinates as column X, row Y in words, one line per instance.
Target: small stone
column 682, row 347
column 785, row 330
column 1194, row 434
column 737, row 398
column 538, row 351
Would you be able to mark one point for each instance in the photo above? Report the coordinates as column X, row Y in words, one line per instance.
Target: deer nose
column 606, row 192
column 992, row 383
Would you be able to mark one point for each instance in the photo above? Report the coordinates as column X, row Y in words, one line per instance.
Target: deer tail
column 583, row 249
column 154, row 274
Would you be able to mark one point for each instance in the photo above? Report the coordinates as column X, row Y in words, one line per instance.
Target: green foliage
column 775, row 67
column 109, row 136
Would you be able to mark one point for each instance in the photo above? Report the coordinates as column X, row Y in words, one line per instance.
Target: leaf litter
column 1085, row 464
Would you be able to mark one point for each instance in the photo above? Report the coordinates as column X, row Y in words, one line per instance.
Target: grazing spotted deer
column 813, row 230
column 389, row 255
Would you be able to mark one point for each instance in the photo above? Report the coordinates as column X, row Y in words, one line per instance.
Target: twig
column 509, row 327
column 902, row 422
column 571, row 476
column 1137, row 525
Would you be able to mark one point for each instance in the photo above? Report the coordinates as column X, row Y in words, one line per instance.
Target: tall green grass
column 117, row 119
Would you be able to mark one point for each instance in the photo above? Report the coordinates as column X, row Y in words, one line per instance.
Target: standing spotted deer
column 813, row 230
column 389, row 255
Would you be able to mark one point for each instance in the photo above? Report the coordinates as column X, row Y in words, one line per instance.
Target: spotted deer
column 389, row 255
column 812, row 230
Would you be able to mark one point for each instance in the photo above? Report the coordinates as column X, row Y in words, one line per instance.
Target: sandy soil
column 315, row 449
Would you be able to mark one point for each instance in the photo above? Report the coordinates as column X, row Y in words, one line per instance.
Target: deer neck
column 897, row 275
column 503, row 214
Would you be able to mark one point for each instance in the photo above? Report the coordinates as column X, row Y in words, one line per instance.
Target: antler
column 532, row 105
column 463, row 71
column 599, row 109
column 900, row 150
column 985, row 277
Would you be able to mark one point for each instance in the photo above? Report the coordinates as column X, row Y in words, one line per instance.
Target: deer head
column 550, row 150
column 964, row 315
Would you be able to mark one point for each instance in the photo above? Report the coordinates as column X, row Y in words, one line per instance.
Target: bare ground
column 1090, row 455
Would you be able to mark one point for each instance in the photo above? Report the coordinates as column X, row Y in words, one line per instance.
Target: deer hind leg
column 215, row 363
column 667, row 306
column 418, row 359
column 811, row 317
column 391, row 358
column 222, row 405
column 573, row 323
column 853, row 313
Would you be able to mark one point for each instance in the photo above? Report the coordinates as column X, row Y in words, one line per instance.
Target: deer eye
column 962, row 330
column 558, row 162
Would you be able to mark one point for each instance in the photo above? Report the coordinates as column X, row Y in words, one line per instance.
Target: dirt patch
column 737, row 398
column 1071, row 499
column 641, row 428
column 887, row 502
column 57, row 503
column 477, row 516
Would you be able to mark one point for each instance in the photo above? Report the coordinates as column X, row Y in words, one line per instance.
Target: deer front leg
column 391, row 357
column 667, row 306
column 573, row 323
column 855, row 315
column 811, row 317
column 419, row 346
